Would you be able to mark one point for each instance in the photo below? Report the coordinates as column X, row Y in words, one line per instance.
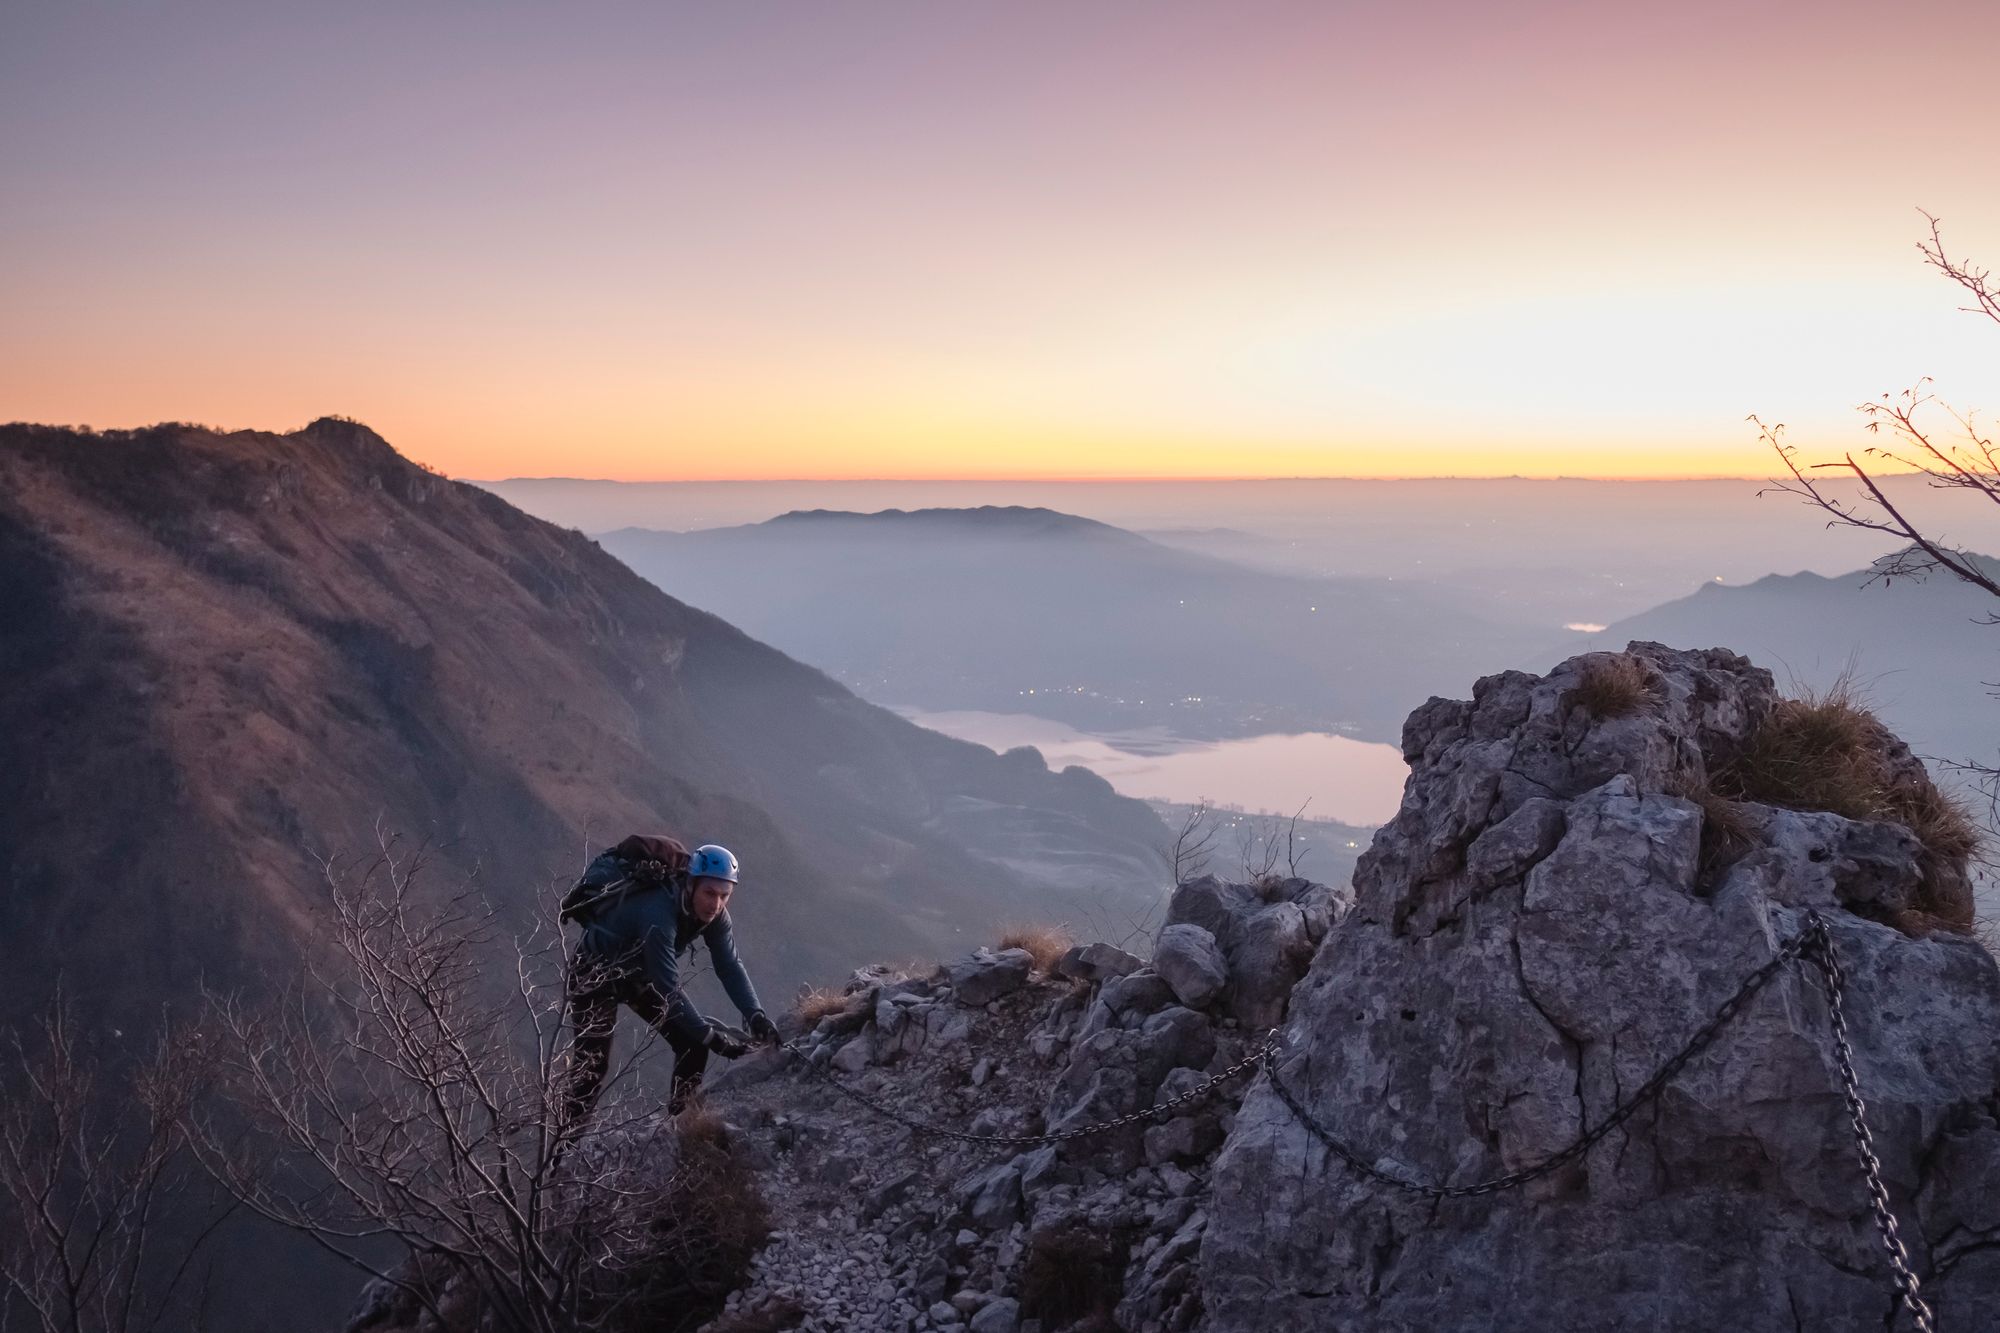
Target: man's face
column 707, row 897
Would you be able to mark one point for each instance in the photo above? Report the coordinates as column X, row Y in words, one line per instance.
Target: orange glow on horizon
column 1130, row 240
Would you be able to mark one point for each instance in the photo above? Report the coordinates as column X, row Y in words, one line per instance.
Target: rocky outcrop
column 985, row 977
column 892, row 1230
column 1560, row 904
column 1537, row 931
column 1097, row 962
column 1265, row 932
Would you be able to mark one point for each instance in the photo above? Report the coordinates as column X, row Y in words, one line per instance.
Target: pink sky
column 1121, row 239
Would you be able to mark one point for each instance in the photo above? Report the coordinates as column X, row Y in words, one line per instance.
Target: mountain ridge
column 249, row 648
column 1124, row 629
column 1919, row 644
column 984, row 520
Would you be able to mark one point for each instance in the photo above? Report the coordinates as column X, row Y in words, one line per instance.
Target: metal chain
column 1158, row 1111
column 1820, row 948
column 1814, row 942
column 1590, row 1139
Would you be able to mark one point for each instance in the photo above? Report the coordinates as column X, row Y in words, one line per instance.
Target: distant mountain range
column 1919, row 650
column 1015, row 609
column 1537, row 553
column 227, row 654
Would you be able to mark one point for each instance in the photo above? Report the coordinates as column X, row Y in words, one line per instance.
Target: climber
column 642, row 904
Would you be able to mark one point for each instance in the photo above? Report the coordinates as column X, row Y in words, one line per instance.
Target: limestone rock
column 983, row 977
column 1163, row 1294
column 1097, row 962
column 1172, row 1039
column 1140, row 994
column 855, row 1055
column 1000, row 1316
column 1183, row 1138
column 1266, row 934
column 1189, row 960
column 1533, row 936
column 1273, row 950
column 992, row 1198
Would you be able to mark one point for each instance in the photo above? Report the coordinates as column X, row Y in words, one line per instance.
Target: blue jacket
column 645, row 931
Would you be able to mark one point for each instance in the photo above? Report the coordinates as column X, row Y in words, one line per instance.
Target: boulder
column 855, row 1056
column 1097, row 962
column 1211, row 903
column 1273, row 949
column 1100, row 1083
column 1189, row 960
column 991, row 1198
column 1000, row 1316
column 983, row 977
column 1184, row 1138
column 1139, row 994
column 1264, row 935
column 1172, row 1039
column 1536, row 933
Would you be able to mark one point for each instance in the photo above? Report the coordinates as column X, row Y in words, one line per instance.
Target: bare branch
column 1187, row 855
column 417, row 1092
column 98, row 1220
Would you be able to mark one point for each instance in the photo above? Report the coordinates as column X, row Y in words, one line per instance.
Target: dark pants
column 595, row 992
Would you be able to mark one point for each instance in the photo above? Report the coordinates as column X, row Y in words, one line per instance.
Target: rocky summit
column 1539, row 929
column 1561, row 905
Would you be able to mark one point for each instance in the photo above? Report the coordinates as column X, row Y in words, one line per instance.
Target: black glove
column 725, row 1045
column 763, row 1029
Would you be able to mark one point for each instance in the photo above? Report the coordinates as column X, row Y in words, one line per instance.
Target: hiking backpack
column 642, row 862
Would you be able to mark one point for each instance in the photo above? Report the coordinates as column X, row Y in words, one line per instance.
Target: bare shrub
column 1045, row 943
column 1946, row 447
column 1187, row 854
column 1132, row 931
column 1259, row 848
column 101, row 1218
column 1613, row 685
column 415, row 1095
column 717, row 1219
column 1295, row 847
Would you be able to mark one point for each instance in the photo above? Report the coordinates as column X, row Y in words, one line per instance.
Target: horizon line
column 1093, row 480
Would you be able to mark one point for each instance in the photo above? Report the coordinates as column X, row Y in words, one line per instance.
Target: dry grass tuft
column 1725, row 832
column 700, row 1238
column 717, row 1221
column 701, row 1125
column 1614, row 685
column 817, row 1002
column 1827, row 751
column 1073, row 1273
column 1045, row 943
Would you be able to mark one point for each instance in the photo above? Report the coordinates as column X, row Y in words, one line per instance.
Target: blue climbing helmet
column 712, row 862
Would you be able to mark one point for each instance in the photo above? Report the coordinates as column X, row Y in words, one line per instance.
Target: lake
column 1355, row 782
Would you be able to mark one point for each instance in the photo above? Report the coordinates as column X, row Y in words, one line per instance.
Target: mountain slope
column 231, row 653
column 975, row 608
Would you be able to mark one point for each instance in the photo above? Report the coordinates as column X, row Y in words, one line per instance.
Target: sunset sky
column 998, row 239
